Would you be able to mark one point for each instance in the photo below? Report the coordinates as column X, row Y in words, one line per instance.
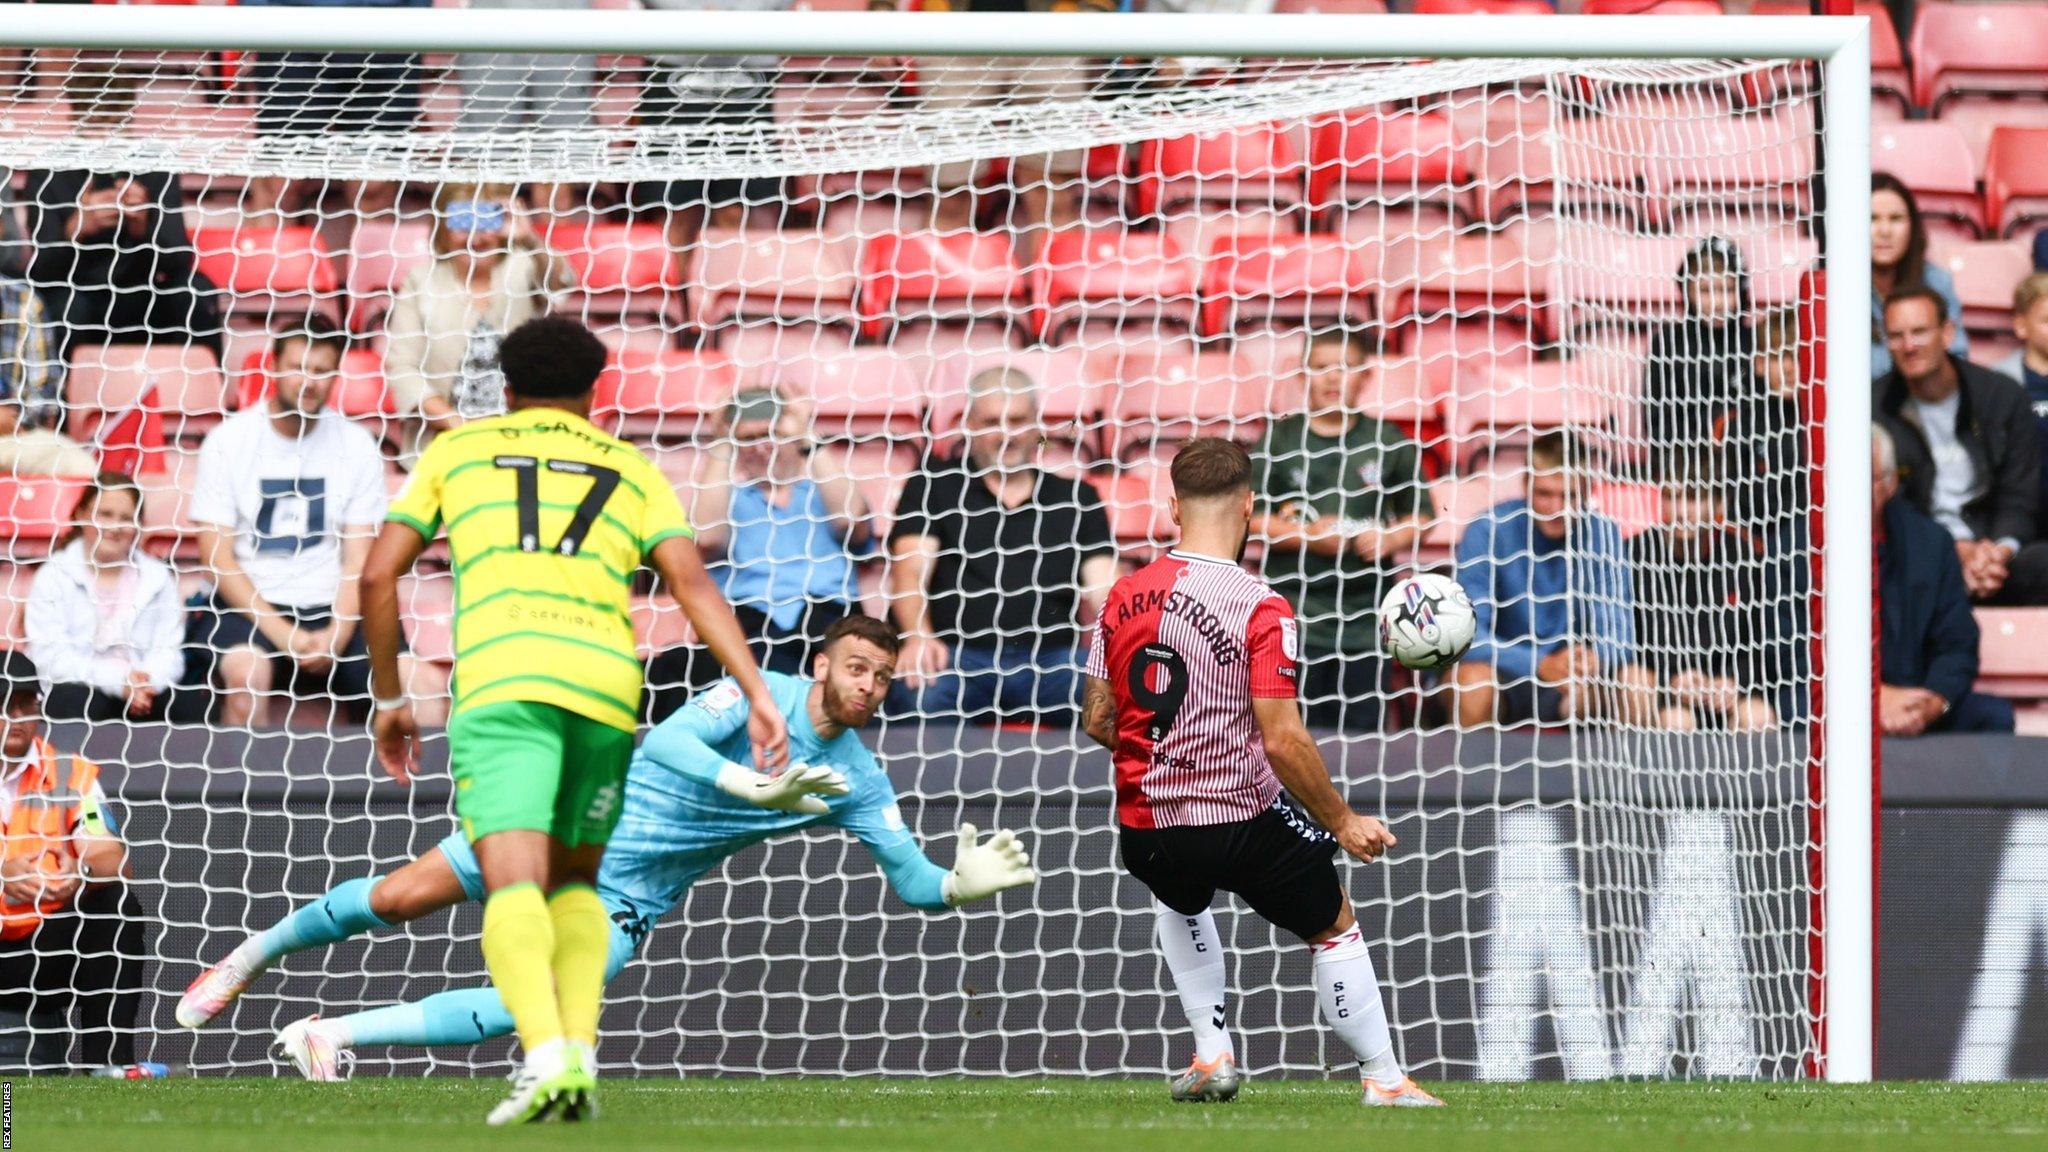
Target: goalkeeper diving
column 692, row 800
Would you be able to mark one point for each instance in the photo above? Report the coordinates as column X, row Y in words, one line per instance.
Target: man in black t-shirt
column 991, row 561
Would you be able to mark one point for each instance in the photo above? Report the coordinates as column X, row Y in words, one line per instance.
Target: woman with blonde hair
column 489, row 275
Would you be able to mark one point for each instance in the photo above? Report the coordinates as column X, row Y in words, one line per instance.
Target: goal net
column 838, row 283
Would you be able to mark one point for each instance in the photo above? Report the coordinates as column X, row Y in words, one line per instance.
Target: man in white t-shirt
column 288, row 498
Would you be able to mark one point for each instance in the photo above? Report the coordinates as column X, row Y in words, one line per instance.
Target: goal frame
column 1839, row 44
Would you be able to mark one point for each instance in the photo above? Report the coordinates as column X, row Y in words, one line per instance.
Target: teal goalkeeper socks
column 343, row 912
column 459, row 1016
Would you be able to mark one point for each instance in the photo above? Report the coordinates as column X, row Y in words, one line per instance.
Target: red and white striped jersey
column 1185, row 644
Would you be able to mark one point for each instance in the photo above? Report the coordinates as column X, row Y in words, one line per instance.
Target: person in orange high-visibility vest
column 71, row 933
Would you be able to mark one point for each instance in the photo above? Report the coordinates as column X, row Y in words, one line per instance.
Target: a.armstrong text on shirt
column 1223, row 647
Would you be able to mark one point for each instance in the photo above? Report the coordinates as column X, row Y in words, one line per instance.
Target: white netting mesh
column 1624, row 889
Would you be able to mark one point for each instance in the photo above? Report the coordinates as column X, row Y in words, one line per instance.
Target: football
column 1426, row 621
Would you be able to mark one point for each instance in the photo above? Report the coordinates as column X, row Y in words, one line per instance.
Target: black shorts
column 220, row 628
column 1279, row 861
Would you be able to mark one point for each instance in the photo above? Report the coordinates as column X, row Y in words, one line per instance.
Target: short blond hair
column 2029, row 291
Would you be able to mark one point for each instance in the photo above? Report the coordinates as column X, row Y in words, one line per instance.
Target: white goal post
column 1841, row 967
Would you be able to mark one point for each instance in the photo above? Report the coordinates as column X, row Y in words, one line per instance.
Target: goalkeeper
column 691, row 801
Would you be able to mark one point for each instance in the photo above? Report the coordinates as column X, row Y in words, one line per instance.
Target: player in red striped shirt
column 1191, row 685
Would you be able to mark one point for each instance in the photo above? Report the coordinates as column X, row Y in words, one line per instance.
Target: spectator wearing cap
column 105, row 621
column 489, row 274
column 72, row 939
column 1700, row 364
column 790, row 522
column 994, row 562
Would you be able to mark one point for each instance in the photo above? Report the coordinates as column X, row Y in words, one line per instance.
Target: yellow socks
column 583, row 936
column 519, row 940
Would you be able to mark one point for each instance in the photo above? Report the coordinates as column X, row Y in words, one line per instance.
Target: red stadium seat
column 1650, row 7
column 2016, row 179
column 357, row 394
column 165, row 499
column 1637, row 276
column 1187, row 394
column 1121, row 276
column 1135, row 499
column 1474, row 274
column 1761, row 161
column 661, row 394
column 861, row 393
column 1977, row 121
column 1961, row 50
column 880, row 470
column 1506, row 407
column 737, row 276
column 1888, row 76
column 1591, row 165
column 34, row 511
column 926, row 275
column 1485, row 7
column 1634, row 508
column 2012, row 652
column 180, row 385
column 285, row 269
column 1256, row 164
column 1251, row 282
column 1371, row 155
column 1935, row 161
column 381, row 255
column 1459, row 502
column 1333, row 7
column 621, row 269
column 1986, row 272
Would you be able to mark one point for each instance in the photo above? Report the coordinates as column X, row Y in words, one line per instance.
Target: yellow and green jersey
column 547, row 519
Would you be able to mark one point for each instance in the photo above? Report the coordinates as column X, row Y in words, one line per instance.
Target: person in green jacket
column 1342, row 502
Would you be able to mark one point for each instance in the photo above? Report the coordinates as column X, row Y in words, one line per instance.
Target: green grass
column 1038, row 1115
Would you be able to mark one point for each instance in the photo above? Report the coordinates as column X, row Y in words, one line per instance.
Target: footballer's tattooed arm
column 1098, row 712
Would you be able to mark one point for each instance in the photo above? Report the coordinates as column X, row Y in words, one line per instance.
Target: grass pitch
column 1033, row 1115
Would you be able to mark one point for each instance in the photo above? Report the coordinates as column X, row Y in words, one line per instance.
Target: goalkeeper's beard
column 843, row 711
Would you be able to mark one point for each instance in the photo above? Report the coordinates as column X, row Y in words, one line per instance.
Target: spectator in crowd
column 1550, row 585
column 32, row 390
column 489, row 275
column 1927, row 633
column 1968, row 452
column 1702, row 364
column 2028, row 363
column 708, row 93
column 994, row 562
column 1711, row 609
column 1342, row 501
column 105, row 622
column 506, row 92
column 1898, row 259
column 113, row 262
column 321, row 93
column 1046, row 189
column 287, row 500
column 1763, row 440
column 72, row 936
column 789, row 521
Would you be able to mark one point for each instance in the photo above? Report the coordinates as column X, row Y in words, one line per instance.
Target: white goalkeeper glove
column 985, row 869
column 796, row 790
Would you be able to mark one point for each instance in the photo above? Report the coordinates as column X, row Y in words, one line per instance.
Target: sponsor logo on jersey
column 721, row 697
column 1290, row 639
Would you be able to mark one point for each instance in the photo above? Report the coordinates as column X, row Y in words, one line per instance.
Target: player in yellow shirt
column 547, row 519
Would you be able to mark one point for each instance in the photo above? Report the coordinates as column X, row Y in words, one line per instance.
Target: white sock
column 1194, row 954
column 250, row 957
column 1350, row 996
